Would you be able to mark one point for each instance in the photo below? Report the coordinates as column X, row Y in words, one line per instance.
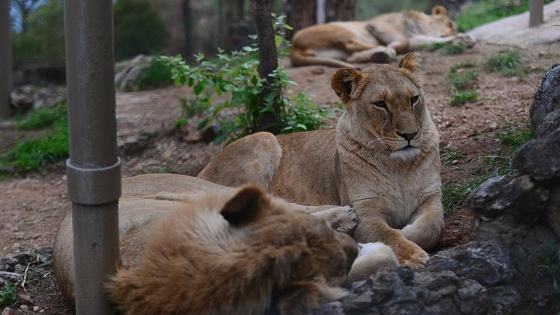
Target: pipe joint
column 94, row 186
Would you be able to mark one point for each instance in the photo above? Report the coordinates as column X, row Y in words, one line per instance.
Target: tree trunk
column 300, row 14
column 267, row 120
column 187, row 29
column 340, row 10
column 6, row 80
column 535, row 12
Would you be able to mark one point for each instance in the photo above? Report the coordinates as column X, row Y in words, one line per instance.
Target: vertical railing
column 6, row 78
column 94, row 179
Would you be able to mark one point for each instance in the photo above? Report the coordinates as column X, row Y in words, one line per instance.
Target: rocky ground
column 31, row 206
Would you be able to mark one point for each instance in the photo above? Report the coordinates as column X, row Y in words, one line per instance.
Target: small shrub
column 509, row 63
column 453, row 49
column 461, row 80
column 515, row 136
column 303, row 115
column 42, row 117
column 447, row 49
column 454, row 196
column 35, row 153
column 157, row 74
column 449, row 156
column 235, row 76
column 8, row 294
column 461, row 97
column 461, row 77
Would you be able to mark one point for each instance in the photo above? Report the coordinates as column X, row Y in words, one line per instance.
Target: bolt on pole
column 93, row 169
column 6, row 78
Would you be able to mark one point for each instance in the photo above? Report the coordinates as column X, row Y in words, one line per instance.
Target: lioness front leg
column 379, row 54
column 341, row 218
column 426, row 224
column 375, row 229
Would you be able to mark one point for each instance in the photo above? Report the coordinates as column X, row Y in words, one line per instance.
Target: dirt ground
column 32, row 206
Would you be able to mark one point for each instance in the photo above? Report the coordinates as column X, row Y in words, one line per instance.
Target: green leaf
column 278, row 40
column 203, row 123
column 198, row 88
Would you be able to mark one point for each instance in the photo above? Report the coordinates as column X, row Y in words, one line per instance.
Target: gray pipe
column 6, row 79
column 93, row 169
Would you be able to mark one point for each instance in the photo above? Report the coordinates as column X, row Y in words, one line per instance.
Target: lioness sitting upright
column 341, row 44
column 382, row 159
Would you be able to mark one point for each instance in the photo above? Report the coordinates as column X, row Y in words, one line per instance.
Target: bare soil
column 32, row 206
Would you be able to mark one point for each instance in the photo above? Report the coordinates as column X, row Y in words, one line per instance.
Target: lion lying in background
column 189, row 246
column 382, row 160
column 342, row 44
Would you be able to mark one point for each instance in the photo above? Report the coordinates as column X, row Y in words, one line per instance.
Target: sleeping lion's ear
column 410, row 62
column 300, row 297
column 246, row 206
column 344, row 81
column 439, row 10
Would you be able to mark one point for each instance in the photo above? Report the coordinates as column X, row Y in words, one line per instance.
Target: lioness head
column 235, row 252
column 440, row 24
column 385, row 108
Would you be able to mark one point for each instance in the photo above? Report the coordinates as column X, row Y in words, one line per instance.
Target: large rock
column 518, row 196
column 547, row 97
column 27, row 97
column 473, row 279
column 127, row 72
column 553, row 208
column 549, row 125
column 539, row 158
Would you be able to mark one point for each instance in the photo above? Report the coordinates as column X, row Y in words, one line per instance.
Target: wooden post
column 6, row 78
column 536, row 12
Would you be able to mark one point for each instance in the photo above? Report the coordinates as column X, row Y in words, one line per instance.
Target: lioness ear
column 246, row 206
column 344, row 81
column 300, row 297
column 410, row 62
column 439, row 10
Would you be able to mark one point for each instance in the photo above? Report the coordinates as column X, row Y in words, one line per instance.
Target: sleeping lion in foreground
column 380, row 39
column 189, row 246
column 382, row 160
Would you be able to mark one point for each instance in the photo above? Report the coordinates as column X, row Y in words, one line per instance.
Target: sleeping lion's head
column 385, row 109
column 438, row 24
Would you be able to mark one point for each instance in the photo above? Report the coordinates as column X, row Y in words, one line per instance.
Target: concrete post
column 536, row 12
column 93, row 169
column 6, row 80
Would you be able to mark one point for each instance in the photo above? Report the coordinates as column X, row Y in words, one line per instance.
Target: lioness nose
column 407, row 136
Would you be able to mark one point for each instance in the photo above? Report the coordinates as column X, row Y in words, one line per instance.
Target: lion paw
column 417, row 259
column 465, row 39
column 343, row 219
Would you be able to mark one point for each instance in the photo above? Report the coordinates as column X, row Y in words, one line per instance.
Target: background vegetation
column 157, row 26
column 138, row 29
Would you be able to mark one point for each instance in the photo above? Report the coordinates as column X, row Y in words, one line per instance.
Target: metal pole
column 93, row 169
column 6, row 79
column 536, row 12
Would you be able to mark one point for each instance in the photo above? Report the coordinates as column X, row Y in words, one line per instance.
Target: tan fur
column 342, row 44
column 189, row 246
column 368, row 162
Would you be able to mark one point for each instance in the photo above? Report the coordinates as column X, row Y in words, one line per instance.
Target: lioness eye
column 414, row 100
column 380, row 104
